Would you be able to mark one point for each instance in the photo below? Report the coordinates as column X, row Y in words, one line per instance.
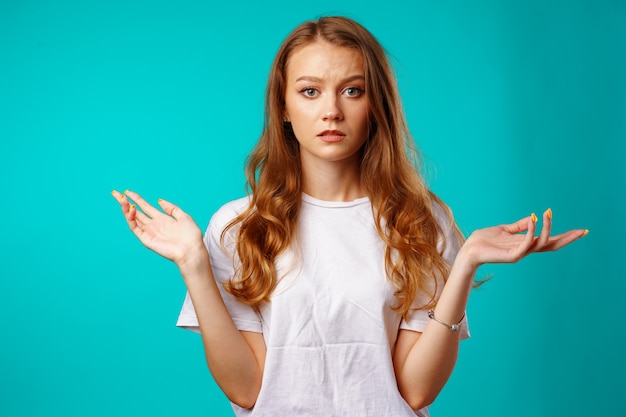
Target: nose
column 331, row 110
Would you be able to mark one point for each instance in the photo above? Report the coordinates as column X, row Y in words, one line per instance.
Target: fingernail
column 549, row 212
column 585, row 233
column 125, row 191
column 132, row 207
column 113, row 192
column 159, row 200
column 534, row 217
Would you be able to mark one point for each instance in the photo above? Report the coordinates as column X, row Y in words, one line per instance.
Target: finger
column 525, row 243
column 131, row 213
column 135, row 226
column 124, row 204
column 529, row 239
column 171, row 208
column 141, row 218
column 564, row 239
column 117, row 195
column 519, row 226
column 148, row 209
column 122, row 200
column 129, row 216
column 544, row 236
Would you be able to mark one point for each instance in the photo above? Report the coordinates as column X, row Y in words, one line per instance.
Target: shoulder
column 231, row 209
column 442, row 213
column 451, row 238
column 226, row 213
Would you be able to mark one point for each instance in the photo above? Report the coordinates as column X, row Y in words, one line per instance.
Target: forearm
column 424, row 362
column 231, row 360
column 424, row 367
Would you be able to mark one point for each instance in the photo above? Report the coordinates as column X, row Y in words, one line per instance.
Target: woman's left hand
column 508, row 243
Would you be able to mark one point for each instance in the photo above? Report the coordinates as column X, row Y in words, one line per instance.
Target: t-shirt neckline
column 306, row 198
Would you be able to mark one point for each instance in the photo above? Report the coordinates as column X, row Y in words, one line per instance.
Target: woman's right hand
column 174, row 235
column 236, row 358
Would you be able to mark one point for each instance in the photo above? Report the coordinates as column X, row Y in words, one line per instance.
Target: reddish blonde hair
column 401, row 202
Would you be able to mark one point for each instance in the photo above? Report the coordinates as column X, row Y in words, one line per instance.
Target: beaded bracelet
column 452, row 327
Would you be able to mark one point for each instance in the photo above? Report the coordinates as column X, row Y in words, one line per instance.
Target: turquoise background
column 518, row 106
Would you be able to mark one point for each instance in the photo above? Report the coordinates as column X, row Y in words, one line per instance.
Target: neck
column 332, row 181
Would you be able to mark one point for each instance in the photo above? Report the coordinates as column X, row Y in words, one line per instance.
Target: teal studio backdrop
column 517, row 106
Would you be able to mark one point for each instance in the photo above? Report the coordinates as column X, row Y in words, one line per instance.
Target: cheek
column 300, row 109
column 362, row 115
column 302, row 121
column 299, row 121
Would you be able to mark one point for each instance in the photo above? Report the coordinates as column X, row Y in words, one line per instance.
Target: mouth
column 331, row 135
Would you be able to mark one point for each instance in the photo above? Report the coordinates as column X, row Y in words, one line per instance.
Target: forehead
column 321, row 59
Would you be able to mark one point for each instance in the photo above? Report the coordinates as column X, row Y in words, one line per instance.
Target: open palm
column 173, row 235
column 511, row 242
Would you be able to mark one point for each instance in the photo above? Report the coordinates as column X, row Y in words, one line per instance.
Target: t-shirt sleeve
column 223, row 264
column 418, row 317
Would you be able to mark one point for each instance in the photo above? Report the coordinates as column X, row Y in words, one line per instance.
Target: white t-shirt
column 329, row 327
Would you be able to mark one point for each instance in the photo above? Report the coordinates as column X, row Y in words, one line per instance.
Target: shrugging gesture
column 335, row 150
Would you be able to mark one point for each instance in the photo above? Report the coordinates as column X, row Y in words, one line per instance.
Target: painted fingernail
column 549, row 213
column 534, row 217
column 113, row 192
column 159, row 200
column 125, row 191
column 131, row 208
column 585, row 233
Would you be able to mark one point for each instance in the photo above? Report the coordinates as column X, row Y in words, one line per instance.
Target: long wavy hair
column 402, row 204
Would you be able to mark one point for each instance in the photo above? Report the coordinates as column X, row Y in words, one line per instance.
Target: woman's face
column 327, row 104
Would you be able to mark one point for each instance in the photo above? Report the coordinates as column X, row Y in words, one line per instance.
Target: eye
column 353, row 91
column 309, row 92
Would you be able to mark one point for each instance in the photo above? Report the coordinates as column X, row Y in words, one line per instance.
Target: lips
column 331, row 135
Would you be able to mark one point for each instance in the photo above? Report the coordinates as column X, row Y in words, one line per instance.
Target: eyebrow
column 317, row 79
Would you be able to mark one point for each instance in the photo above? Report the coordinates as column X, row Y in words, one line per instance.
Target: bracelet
column 452, row 327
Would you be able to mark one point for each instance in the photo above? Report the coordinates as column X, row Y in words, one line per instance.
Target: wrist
column 194, row 260
column 465, row 263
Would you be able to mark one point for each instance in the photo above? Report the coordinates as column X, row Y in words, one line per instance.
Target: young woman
column 338, row 287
